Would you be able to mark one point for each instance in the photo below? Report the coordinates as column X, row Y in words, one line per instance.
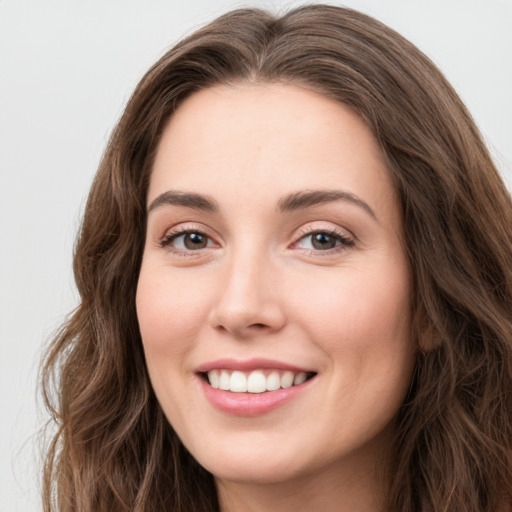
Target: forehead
column 259, row 142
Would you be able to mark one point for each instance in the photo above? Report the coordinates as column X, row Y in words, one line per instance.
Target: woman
column 295, row 270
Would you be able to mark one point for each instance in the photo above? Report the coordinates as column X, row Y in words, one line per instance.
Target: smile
column 256, row 381
column 252, row 387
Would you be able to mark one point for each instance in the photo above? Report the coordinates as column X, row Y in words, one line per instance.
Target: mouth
column 254, row 387
column 262, row 380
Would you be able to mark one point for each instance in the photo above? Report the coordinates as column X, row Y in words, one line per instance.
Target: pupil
column 195, row 241
column 323, row 241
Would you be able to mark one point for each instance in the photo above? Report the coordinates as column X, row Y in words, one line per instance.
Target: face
column 274, row 293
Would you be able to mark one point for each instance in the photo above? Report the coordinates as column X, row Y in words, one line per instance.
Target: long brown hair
column 115, row 451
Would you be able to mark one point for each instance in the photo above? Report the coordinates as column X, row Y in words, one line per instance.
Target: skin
column 259, row 288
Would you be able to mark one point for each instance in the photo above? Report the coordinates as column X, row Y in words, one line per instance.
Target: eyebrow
column 288, row 203
column 308, row 198
column 187, row 199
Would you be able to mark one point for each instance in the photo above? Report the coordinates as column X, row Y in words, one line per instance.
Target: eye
column 324, row 241
column 187, row 241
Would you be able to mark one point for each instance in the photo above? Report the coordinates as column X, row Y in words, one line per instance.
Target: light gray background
column 66, row 69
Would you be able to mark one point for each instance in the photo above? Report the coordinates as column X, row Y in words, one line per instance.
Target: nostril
column 258, row 326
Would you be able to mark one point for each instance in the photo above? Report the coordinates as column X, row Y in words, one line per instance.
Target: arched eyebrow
column 187, row 199
column 290, row 202
column 308, row 198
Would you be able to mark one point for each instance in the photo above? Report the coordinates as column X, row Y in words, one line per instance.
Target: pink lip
column 250, row 404
column 248, row 365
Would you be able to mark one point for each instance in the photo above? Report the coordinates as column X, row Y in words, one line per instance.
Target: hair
column 114, row 450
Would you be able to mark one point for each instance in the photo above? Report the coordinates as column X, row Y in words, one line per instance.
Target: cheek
column 356, row 304
column 169, row 311
column 364, row 326
column 362, row 321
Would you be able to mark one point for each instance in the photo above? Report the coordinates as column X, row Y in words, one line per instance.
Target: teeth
column 287, row 380
column 214, row 377
column 300, row 378
column 255, row 381
column 223, row 380
column 238, row 382
column 273, row 381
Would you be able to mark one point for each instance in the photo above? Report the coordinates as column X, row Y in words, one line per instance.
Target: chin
column 251, row 461
column 245, row 472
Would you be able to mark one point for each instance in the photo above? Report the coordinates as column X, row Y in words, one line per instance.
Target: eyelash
column 344, row 241
column 170, row 237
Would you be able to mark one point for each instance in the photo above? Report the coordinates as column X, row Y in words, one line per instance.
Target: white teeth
column 238, row 382
column 224, row 380
column 273, row 381
column 287, row 380
column 214, row 377
column 255, row 381
column 300, row 378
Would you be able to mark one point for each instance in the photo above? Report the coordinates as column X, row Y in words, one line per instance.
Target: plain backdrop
column 67, row 67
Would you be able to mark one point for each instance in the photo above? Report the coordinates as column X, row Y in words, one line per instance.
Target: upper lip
column 248, row 365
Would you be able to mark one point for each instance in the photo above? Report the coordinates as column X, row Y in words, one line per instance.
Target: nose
column 249, row 300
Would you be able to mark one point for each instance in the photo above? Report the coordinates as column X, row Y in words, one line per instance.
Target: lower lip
column 250, row 404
